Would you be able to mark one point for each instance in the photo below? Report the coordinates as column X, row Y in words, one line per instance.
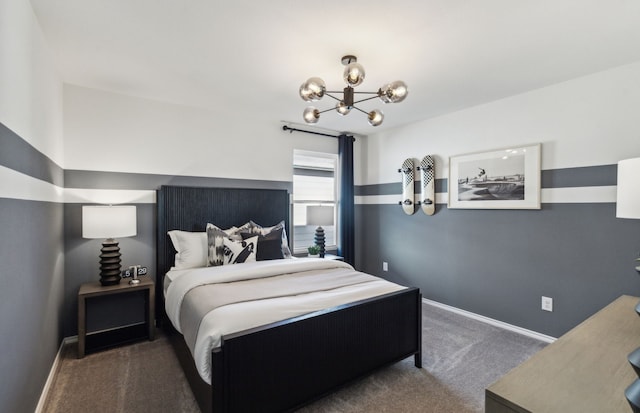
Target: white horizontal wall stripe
column 16, row 185
column 441, row 198
column 585, row 194
column 377, row 199
column 109, row 196
column 581, row 195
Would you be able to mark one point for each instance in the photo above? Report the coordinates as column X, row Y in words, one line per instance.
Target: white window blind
column 314, row 186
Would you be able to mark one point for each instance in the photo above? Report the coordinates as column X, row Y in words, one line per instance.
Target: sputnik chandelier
column 314, row 89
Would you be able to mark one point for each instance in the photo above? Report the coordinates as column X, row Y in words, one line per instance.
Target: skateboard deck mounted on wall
column 427, row 198
column 407, row 171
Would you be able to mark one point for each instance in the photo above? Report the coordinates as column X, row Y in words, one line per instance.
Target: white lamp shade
column 321, row 215
column 628, row 198
column 108, row 221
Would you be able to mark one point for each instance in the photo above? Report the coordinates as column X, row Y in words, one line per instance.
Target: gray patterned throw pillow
column 215, row 243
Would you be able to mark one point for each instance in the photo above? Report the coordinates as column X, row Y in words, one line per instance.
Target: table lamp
column 320, row 215
column 109, row 222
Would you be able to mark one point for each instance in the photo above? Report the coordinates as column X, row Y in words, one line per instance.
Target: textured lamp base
column 319, row 240
column 634, row 360
column 632, row 393
column 110, row 262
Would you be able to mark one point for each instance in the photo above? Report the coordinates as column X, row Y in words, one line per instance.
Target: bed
column 283, row 365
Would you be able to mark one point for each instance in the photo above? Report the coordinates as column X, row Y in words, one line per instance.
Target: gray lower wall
column 31, row 299
column 31, row 279
column 498, row 263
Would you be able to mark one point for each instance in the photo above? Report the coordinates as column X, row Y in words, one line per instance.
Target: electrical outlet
column 385, row 266
column 547, row 303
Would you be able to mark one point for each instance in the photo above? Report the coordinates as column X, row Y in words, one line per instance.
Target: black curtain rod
column 287, row 128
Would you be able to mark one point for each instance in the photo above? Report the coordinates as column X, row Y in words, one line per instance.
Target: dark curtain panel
column 346, row 218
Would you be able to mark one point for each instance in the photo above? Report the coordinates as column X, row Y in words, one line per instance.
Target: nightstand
column 100, row 339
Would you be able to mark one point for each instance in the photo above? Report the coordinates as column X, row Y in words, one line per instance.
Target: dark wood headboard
column 191, row 208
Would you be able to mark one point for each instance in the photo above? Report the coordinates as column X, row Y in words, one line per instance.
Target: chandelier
column 314, row 89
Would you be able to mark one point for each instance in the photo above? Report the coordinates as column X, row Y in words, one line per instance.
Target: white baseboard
column 52, row 373
column 496, row 323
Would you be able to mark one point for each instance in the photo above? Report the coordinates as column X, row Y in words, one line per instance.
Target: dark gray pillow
column 269, row 246
column 257, row 229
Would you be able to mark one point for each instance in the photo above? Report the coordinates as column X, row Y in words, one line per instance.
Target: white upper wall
column 106, row 131
column 591, row 120
column 583, row 122
column 30, row 89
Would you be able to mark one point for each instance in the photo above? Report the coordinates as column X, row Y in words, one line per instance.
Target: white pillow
column 191, row 249
column 237, row 252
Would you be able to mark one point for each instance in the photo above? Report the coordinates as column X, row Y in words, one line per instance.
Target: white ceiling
column 252, row 56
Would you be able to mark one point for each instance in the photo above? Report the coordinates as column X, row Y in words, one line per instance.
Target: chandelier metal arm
column 328, row 93
column 354, row 107
column 333, row 97
column 363, row 100
column 357, row 108
column 326, row 110
column 354, row 91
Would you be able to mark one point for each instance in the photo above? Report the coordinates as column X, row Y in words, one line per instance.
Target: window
column 314, row 198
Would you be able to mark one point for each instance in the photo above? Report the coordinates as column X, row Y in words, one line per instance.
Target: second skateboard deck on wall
column 427, row 169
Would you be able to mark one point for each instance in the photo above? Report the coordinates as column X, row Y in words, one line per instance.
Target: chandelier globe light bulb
column 393, row 92
column 311, row 115
column 354, row 74
column 376, row 117
column 313, row 89
column 342, row 109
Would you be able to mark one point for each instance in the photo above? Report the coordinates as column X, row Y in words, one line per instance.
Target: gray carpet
column 461, row 357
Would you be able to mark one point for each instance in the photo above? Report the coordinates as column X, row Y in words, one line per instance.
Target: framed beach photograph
column 506, row 178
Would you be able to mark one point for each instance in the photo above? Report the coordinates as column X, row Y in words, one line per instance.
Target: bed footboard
column 285, row 365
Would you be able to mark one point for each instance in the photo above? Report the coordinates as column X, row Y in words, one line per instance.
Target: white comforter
column 253, row 313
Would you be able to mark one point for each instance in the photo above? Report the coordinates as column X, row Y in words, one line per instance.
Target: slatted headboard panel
column 191, row 208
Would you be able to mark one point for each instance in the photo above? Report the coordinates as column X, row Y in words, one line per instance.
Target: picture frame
column 507, row 178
